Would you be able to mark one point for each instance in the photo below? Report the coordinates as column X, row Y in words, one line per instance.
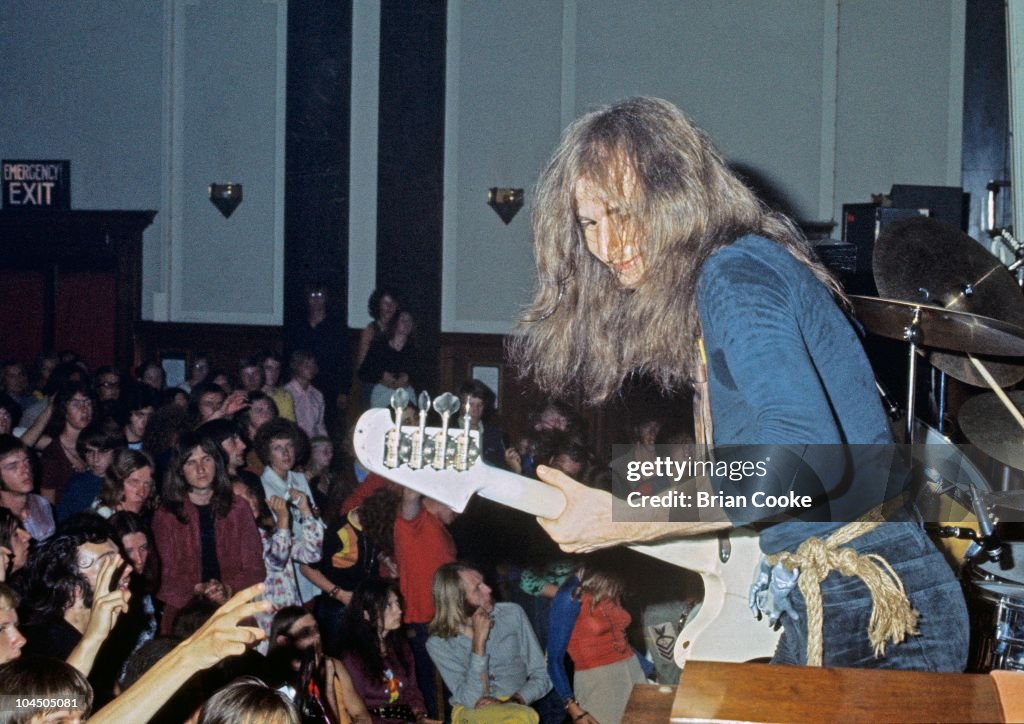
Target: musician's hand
column 486, row 701
column 586, row 522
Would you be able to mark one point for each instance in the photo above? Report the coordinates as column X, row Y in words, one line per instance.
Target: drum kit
column 957, row 307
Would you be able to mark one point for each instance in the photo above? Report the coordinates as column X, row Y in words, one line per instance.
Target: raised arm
column 221, row 636
column 107, row 606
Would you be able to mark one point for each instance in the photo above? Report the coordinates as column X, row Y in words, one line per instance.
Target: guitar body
column 723, row 628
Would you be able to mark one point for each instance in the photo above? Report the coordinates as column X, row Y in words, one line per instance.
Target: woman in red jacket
column 588, row 622
column 207, row 539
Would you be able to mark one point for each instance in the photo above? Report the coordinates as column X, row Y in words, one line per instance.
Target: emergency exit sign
column 36, row 184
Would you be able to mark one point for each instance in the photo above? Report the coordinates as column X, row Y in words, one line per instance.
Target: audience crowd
column 213, row 552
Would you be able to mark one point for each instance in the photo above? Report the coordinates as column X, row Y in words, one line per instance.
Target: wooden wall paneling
column 22, row 314
column 53, row 242
column 225, row 344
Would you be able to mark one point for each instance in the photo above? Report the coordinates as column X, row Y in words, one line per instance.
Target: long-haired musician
column 653, row 256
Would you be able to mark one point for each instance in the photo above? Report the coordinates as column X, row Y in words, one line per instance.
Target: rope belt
column 892, row 616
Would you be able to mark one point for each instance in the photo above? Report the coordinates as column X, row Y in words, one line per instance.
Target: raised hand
column 5, row 560
column 301, row 501
column 222, row 636
column 279, row 507
column 108, row 605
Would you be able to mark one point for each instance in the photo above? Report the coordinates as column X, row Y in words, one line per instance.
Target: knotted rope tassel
column 892, row 616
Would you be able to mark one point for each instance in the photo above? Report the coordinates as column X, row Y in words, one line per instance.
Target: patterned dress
column 282, row 553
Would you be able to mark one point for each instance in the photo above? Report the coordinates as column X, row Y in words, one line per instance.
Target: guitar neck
column 448, row 484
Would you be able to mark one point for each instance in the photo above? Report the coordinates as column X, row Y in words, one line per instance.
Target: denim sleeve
column 755, row 345
column 561, row 620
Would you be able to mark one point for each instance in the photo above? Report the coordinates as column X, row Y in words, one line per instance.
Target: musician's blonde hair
column 583, row 331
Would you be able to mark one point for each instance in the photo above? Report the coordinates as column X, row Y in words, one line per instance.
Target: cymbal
column 989, row 426
column 940, row 328
column 930, row 261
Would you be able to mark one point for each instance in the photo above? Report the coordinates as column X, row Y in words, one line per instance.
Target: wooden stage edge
column 728, row 692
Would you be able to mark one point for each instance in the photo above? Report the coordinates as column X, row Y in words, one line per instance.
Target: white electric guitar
column 444, row 464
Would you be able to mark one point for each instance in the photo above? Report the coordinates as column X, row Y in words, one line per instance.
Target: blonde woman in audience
column 588, row 622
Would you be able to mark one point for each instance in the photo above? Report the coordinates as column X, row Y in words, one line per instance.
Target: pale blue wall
column 829, row 101
column 151, row 101
column 82, row 81
column 825, row 101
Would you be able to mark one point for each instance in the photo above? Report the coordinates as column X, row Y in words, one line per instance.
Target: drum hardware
column 892, row 408
column 924, row 325
column 959, row 532
column 989, row 425
column 928, row 261
column 938, row 398
column 987, row 538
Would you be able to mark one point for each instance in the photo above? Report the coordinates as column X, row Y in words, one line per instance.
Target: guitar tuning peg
column 424, row 402
column 399, row 398
column 446, row 404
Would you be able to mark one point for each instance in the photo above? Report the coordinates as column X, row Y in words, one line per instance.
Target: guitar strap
column 703, row 429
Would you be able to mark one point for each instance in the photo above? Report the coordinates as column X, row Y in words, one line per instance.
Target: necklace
column 77, row 464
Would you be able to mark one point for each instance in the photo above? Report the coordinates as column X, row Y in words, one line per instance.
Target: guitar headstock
column 445, row 463
column 433, row 461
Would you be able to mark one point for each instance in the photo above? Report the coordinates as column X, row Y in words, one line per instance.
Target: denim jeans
column 941, row 645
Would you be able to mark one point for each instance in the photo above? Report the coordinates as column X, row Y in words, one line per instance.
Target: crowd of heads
column 91, row 459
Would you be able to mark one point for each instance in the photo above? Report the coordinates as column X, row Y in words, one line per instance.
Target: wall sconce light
column 226, row 197
column 506, row 202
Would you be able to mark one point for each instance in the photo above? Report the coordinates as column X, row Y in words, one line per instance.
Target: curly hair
column 674, row 193
column 52, row 574
column 281, row 429
column 377, row 516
